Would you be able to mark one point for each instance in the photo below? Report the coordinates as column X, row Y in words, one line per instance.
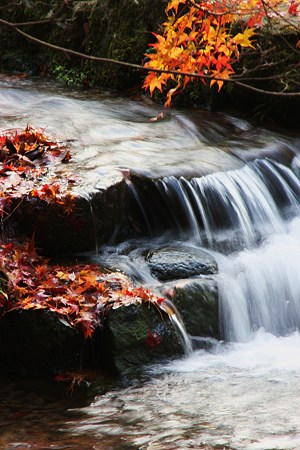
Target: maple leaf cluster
column 25, row 158
column 198, row 37
column 23, row 148
column 81, row 294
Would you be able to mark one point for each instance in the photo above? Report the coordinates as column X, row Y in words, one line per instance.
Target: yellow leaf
column 173, row 4
column 218, row 82
column 243, row 39
column 62, row 275
column 152, row 82
column 224, row 75
column 175, row 52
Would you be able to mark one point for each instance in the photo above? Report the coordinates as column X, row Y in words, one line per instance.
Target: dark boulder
column 177, row 262
column 38, row 342
column 138, row 335
column 197, row 303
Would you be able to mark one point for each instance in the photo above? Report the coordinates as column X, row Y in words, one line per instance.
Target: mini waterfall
column 249, row 219
column 260, row 288
column 175, row 319
column 235, row 208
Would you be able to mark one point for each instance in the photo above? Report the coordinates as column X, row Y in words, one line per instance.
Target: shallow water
column 109, row 132
column 239, row 396
column 242, row 395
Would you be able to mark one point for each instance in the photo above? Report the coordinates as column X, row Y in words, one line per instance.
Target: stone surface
column 197, row 303
column 96, row 215
column 137, row 335
column 171, row 263
column 37, row 342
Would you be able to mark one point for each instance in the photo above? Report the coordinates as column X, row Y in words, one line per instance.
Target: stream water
column 243, row 393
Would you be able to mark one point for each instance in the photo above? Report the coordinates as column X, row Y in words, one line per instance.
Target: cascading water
column 249, row 213
column 260, row 288
column 241, row 395
column 239, row 206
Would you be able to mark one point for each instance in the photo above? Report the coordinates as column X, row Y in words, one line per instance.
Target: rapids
column 243, row 393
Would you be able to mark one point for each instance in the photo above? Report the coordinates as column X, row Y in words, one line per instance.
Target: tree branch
column 144, row 68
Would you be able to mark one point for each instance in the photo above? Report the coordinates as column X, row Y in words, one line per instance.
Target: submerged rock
column 172, row 263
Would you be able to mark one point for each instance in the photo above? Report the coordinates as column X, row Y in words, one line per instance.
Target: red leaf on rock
column 152, row 340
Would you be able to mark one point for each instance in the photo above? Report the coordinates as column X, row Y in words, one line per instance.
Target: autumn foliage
column 204, row 38
column 26, row 157
column 80, row 294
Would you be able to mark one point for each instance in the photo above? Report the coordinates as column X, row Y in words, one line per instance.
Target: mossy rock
column 138, row 335
column 119, row 30
column 197, row 303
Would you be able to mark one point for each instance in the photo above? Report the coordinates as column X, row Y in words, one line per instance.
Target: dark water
column 33, row 412
column 240, row 395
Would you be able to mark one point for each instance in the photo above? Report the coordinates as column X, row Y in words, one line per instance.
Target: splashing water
column 240, row 396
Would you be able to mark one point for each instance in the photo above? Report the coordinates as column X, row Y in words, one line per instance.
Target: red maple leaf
column 293, row 8
column 152, row 340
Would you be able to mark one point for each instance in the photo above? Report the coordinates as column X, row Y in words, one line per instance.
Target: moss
column 126, row 337
column 122, row 31
column 197, row 302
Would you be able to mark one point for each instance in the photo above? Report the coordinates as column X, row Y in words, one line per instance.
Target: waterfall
column 226, row 209
column 249, row 219
column 176, row 320
column 260, row 288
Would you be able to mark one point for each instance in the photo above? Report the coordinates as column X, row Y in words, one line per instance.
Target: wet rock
column 95, row 216
column 37, row 342
column 41, row 343
column 138, row 335
column 197, row 303
column 171, row 263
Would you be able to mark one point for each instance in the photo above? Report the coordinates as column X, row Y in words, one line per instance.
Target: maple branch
column 144, row 68
column 11, row 4
column 295, row 50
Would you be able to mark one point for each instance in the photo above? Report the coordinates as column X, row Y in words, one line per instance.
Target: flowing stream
column 210, row 192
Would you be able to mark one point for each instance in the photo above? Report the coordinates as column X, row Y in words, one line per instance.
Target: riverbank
column 123, row 32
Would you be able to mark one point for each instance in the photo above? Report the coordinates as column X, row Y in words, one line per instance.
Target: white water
column 260, row 288
column 240, row 396
column 239, row 207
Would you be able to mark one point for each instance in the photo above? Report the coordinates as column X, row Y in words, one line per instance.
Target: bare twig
column 144, row 68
